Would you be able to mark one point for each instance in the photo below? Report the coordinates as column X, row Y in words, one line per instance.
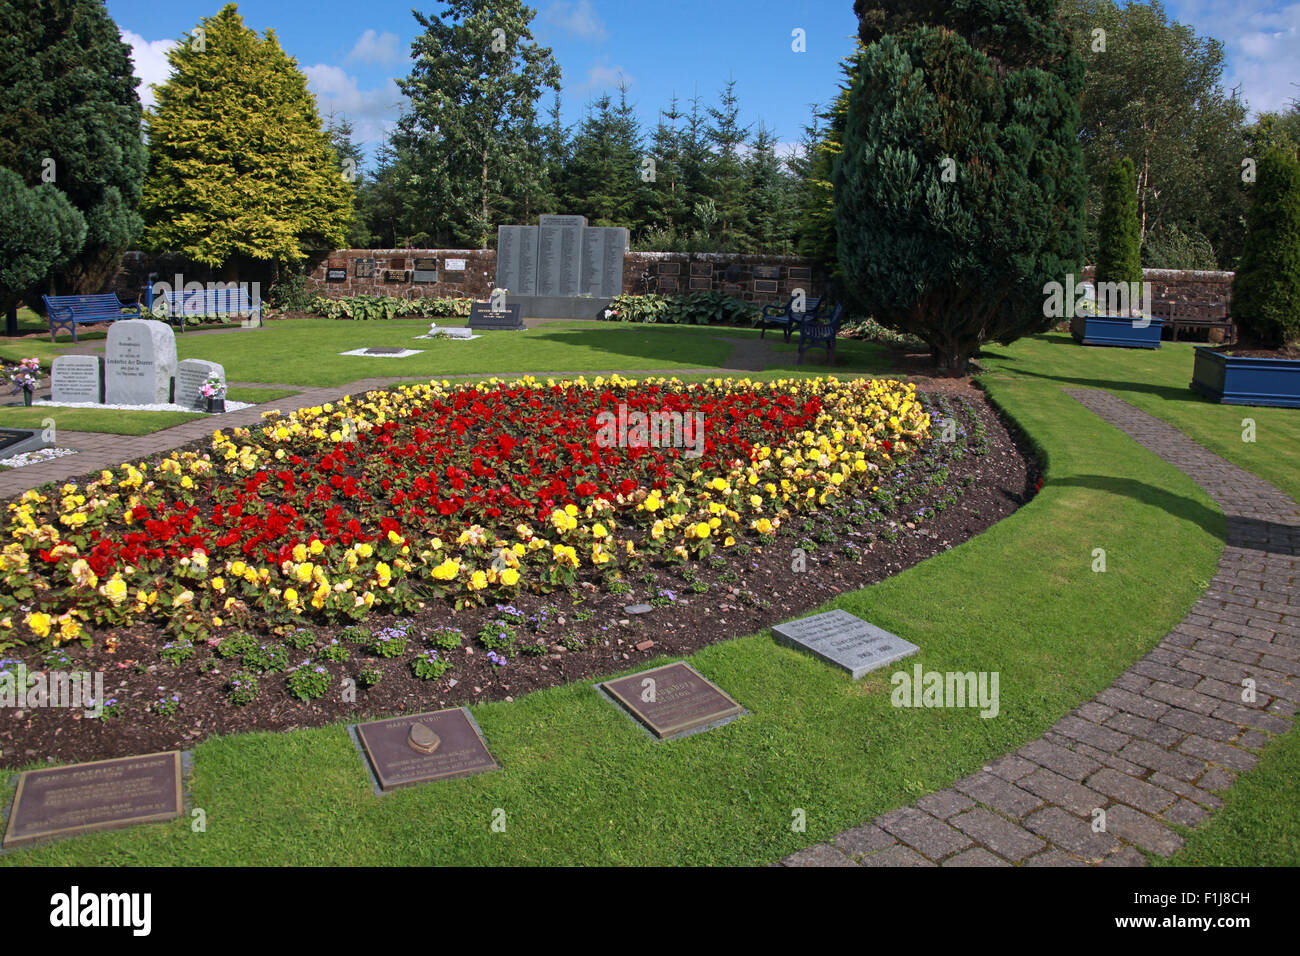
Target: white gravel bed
column 32, row 457
column 159, row 407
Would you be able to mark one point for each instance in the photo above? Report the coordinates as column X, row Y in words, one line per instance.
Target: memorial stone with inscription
column 77, row 378
column 424, row 747
column 839, row 638
column 140, row 361
column 190, row 376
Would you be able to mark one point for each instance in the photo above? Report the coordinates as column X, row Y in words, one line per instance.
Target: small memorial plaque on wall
column 396, row 275
column 426, row 270
column 336, row 275
column 453, row 265
column 767, row 272
column 701, row 268
column 365, row 268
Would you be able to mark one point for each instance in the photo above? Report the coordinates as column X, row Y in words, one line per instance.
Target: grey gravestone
column 190, row 376
column 77, row 378
column 839, row 638
column 140, row 362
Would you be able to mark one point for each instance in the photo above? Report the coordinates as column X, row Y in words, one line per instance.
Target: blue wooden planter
column 1114, row 330
column 1238, row 380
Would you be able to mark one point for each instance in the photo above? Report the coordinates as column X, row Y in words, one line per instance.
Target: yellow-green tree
column 241, row 175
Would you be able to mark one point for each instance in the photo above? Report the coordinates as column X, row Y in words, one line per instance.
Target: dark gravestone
column 673, row 701
column 424, row 747
column 481, row 316
column 767, row 272
column 102, row 795
column 385, row 350
column 839, row 638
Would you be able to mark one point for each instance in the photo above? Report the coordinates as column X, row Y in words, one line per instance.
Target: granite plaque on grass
column 77, row 378
column 423, row 747
column 839, row 638
column 673, row 700
column 103, row 795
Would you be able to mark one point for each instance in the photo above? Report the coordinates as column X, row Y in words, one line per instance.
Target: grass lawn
column 581, row 784
column 1155, row 380
column 118, row 422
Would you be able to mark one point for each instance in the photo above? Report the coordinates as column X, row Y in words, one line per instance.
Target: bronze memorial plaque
column 673, row 700
column 102, row 795
column 423, row 747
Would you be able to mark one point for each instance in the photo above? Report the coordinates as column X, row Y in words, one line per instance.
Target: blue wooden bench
column 200, row 302
column 69, row 311
column 818, row 333
column 785, row 318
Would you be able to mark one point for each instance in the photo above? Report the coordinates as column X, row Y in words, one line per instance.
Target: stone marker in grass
column 102, row 795
column 417, row 749
column 839, row 638
column 673, row 700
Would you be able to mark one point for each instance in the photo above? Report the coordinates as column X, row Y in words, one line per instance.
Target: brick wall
column 392, row 272
column 1183, row 286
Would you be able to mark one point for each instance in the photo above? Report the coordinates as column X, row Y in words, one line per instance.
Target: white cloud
column 150, row 60
column 602, row 78
column 372, row 112
column 1261, row 43
column 384, row 49
column 576, row 18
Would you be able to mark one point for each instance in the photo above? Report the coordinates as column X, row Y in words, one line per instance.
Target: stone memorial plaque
column 702, row 268
column 673, row 701
column 481, row 316
column 140, row 362
column 612, row 270
column 336, row 275
column 579, row 222
column 800, row 272
column 77, row 378
column 704, row 284
column 593, row 261
column 669, row 269
column 668, row 283
column 102, row 795
column 422, row 747
column 839, row 638
column 549, row 246
column 767, row 272
column 190, row 376
column 385, row 350
column 453, row 265
column 425, row 265
column 424, row 275
column 396, row 275
column 365, row 268
column 765, row 285
column 527, row 277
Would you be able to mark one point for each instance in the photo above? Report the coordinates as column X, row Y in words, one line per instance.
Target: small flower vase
column 216, row 406
column 27, row 397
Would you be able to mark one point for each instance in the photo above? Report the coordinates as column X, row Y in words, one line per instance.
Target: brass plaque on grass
column 102, row 795
column 424, row 747
column 673, row 700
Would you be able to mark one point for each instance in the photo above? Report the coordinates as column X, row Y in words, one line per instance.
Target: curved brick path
column 1155, row 746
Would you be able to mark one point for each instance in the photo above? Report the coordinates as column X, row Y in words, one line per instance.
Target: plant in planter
column 214, row 390
column 25, row 376
column 1263, row 368
column 1115, row 316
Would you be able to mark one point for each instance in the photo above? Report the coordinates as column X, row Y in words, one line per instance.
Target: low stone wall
column 1183, row 285
column 394, row 272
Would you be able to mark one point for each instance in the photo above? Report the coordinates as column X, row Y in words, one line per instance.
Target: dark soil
column 1286, row 352
column 742, row 590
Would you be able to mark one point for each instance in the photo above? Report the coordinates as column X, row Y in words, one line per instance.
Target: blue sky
column 352, row 52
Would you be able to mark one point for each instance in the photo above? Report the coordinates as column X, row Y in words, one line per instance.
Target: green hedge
column 367, row 307
column 694, row 308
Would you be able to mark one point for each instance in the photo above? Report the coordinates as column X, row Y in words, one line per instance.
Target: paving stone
column 1063, row 792
column 976, row 856
column 896, row 855
column 1146, row 754
column 1200, row 724
column 1253, row 740
column 945, row 803
column 1186, row 813
column 1187, row 790
column 1252, row 717
column 1216, row 778
column 862, row 840
column 1070, row 833
column 1089, row 733
column 1125, row 857
column 1011, row 767
column 1182, row 697
column 1094, row 711
column 1130, row 790
column 1126, row 700
column 823, row 854
column 1007, row 839
column 1065, row 762
column 932, row 837
column 1220, row 753
column 1054, row 858
column 1157, row 733
column 997, row 793
column 1128, row 824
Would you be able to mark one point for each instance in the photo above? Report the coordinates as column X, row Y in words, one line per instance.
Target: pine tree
column 959, row 193
column 770, row 204
column 726, row 176
column 1266, row 288
column 1118, row 251
column 350, row 161
column 70, row 119
column 241, row 174
column 471, row 131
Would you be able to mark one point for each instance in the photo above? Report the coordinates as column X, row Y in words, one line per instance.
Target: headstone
column 190, row 376
column 481, row 316
column 673, row 700
column 77, row 378
column 140, row 361
column 839, row 638
column 102, row 795
column 423, row 747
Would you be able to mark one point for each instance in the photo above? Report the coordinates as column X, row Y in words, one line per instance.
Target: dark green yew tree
column 1119, row 256
column 1266, row 288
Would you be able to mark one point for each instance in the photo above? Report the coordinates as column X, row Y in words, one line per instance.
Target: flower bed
column 430, row 491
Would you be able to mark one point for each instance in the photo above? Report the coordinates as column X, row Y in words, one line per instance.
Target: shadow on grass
column 1210, row 521
column 1166, row 392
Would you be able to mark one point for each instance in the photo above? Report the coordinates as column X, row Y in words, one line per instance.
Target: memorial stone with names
column 77, row 378
column 844, row 640
column 190, row 376
column 140, row 361
column 422, row 747
column 673, row 701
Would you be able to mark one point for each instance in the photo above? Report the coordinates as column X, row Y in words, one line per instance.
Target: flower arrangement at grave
column 213, row 388
column 430, row 492
column 25, row 377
